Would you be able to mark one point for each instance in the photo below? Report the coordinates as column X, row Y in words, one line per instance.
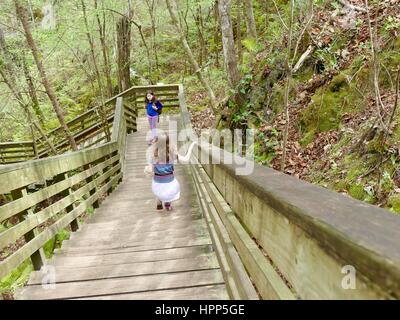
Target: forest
column 318, row 79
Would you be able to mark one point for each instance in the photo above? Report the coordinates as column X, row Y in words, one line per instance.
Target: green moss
column 394, row 203
column 307, row 138
column 376, row 145
column 354, row 172
column 328, row 105
column 341, row 185
column 17, row 278
column 357, row 191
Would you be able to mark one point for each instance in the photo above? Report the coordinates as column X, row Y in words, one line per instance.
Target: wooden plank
column 130, row 257
column 169, row 243
column 215, row 292
column 137, row 233
column 16, row 144
column 65, row 274
column 124, row 285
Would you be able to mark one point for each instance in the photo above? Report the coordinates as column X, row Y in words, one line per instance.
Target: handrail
column 314, row 237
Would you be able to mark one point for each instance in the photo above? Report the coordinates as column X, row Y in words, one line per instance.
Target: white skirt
column 167, row 192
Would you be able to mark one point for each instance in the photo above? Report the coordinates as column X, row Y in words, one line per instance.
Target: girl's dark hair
column 152, row 100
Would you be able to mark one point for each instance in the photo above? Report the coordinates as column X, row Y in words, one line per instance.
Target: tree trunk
column 92, row 51
column 250, row 21
column 32, row 94
column 228, row 43
column 124, row 52
column 104, row 47
column 216, row 34
column 173, row 13
column 239, row 31
column 152, row 5
column 289, row 69
column 21, row 14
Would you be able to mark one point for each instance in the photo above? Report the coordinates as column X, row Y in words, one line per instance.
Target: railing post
column 94, row 190
column 135, row 111
column 74, row 223
column 38, row 258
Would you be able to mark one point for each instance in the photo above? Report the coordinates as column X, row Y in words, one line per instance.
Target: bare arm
column 186, row 159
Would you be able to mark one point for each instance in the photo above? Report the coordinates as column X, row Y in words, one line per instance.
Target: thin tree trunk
column 250, row 21
column 239, row 31
column 32, row 94
column 97, row 71
column 21, row 13
column 216, row 34
column 92, row 51
column 288, row 67
column 197, row 16
column 228, row 43
column 124, row 51
column 173, row 13
column 375, row 67
column 104, row 48
column 152, row 5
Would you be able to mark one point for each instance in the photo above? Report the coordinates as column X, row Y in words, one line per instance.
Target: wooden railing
column 47, row 195
column 11, row 152
column 296, row 240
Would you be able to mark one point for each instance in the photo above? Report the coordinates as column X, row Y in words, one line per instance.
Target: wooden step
column 215, row 292
column 136, row 284
column 64, row 274
column 130, row 257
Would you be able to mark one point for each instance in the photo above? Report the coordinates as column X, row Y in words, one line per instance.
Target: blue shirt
column 150, row 111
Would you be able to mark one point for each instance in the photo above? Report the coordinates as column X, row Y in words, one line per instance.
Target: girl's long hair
column 162, row 151
column 154, row 100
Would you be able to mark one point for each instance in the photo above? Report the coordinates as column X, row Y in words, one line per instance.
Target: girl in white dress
column 165, row 186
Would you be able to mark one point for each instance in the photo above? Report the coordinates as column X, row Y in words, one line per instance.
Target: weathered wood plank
column 125, row 285
column 70, row 249
column 65, row 274
column 130, row 257
column 215, row 292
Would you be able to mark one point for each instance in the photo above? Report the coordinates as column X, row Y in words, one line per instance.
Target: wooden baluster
column 94, row 190
column 74, row 223
column 38, row 257
column 135, row 111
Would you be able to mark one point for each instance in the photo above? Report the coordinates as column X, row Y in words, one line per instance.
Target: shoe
column 168, row 206
column 159, row 206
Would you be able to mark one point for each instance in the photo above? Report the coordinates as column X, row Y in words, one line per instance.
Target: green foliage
column 394, row 203
column 17, row 278
column 357, row 192
column 329, row 104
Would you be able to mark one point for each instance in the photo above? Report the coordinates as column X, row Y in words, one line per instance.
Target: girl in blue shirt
column 153, row 108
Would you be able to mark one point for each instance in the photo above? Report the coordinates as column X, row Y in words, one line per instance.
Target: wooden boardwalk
column 128, row 250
